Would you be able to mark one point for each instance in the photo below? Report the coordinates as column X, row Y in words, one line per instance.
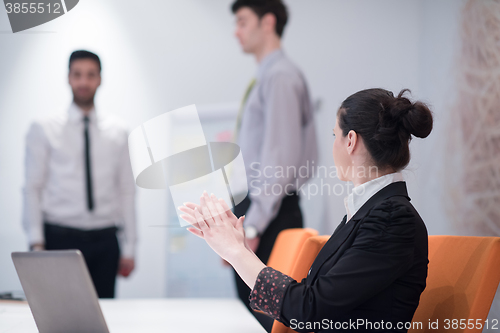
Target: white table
column 151, row 315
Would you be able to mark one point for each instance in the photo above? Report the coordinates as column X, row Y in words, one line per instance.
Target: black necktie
column 88, row 174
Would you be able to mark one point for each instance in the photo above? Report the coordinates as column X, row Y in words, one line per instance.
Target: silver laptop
column 60, row 292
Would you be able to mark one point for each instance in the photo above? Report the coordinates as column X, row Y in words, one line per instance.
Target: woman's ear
column 352, row 140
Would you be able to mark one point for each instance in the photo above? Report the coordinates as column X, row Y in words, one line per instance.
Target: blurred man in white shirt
column 79, row 189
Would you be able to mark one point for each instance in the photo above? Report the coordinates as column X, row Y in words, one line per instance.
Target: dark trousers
column 99, row 248
column 289, row 216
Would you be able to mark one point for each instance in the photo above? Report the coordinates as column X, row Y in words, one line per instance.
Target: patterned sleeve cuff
column 268, row 292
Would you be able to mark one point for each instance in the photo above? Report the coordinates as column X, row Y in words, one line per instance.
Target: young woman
column 371, row 272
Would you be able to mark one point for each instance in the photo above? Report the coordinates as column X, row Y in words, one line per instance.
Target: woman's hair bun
column 400, row 118
column 386, row 123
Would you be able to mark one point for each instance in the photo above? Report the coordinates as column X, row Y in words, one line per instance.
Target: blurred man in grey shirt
column 275, row 130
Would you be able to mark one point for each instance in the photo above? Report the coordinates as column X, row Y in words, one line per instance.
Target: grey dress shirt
column 277, row 137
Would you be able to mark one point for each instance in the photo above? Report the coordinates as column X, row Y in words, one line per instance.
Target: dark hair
column 386, row 124
column 83, row 54
column 262, row 7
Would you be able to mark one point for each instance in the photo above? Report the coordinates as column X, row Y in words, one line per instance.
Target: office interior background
column 161, row 55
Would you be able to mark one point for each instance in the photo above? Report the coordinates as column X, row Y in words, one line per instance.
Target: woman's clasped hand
column 214, row 221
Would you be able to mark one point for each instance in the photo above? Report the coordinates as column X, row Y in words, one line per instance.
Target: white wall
column 161, row 55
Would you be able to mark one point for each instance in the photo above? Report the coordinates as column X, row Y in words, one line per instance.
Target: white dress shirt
column 55, row 183
column 361, row 193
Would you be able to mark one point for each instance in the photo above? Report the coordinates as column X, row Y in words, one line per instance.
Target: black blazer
column 372, row 268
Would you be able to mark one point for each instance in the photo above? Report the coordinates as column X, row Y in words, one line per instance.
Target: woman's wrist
column 238, row 254
column 246, row 264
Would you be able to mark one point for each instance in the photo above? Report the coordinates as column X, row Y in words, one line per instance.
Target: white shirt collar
column 75, row 114
column 361, row 193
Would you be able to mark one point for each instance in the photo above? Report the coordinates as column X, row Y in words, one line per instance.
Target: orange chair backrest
column 309, row 252
column 287, row 248
column 463, row 276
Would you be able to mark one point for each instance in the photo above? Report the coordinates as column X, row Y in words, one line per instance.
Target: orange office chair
column 463, row 277
column 287, row 248
column 309, row 251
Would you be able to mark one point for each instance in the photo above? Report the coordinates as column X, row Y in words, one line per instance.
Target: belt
column 87, row 235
